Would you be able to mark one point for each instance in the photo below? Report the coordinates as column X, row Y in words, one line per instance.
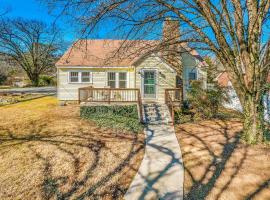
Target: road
column 43, row 90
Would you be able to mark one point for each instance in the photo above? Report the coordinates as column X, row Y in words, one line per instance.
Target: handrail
column 172, row 96
column 112, row 95
column 169, row 103
column 140, row 106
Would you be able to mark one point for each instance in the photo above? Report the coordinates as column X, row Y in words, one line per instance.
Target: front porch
column 125, row 96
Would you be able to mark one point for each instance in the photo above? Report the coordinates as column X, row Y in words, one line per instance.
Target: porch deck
column 91, row 96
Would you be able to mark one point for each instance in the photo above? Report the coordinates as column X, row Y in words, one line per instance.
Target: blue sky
column 33, row 9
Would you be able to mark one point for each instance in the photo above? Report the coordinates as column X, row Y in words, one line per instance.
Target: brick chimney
column 170, row 44
column 171, row 30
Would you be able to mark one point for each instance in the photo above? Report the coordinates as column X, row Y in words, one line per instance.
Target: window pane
column 192, row 76
column 86, row 77
column 112, row 84
column 74, row 77
column 112, row 79
column 122, row 80
column 149, row 89
column 122, row 84
column 111, row 76
column 149, row 78
column 122, row 76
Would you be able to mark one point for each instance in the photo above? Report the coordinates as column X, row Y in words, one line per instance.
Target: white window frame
column 69, row 76
column 117, row 78
column 80, row 77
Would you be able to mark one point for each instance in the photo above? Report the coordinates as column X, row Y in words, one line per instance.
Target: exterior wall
column 166, row 76
column 190, row 65
column 188, row 60
column 69, row 91
column 234, row 102
column 186, row 81
column 236, row 105
column 266, row 103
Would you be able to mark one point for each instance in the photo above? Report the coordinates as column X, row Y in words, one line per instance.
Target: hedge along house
column 128, row 70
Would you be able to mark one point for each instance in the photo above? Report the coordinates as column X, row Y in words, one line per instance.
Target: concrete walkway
column 161, row 173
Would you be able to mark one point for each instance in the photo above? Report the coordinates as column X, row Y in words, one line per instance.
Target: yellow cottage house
column 126, row 70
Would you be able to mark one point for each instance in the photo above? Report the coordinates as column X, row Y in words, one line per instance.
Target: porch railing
column 111, row 95
column 173, row 99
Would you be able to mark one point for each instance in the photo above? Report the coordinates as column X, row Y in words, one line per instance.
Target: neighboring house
column 224, row 81
column 126, row 64
column 19, row 81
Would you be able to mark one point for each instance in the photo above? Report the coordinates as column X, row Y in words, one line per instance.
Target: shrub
column 3, row 78
column 117, row 117
column 45, row 80
column 206, row 102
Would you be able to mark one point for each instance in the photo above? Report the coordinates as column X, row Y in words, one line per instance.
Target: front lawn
column 219, row 166
column 49, row 152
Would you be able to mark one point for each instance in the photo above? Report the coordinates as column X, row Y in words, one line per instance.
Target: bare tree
column 235, row 31
column 33, row 45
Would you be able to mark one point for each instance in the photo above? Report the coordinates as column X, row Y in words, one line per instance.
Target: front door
column 149, row 84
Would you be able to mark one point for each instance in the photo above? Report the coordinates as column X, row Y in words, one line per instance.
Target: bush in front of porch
column 123, row 117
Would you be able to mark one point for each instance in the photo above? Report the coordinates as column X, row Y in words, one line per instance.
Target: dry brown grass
column 48, row 152
column 219, row 166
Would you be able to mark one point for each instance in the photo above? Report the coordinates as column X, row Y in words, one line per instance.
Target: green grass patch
column 116, row 117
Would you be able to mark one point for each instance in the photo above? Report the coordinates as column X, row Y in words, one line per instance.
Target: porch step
column 157, row 114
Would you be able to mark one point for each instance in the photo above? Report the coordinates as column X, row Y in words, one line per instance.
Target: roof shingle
column 112, row 53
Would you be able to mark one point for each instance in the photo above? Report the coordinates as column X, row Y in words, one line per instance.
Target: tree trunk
column 254, row 126
column 35, row 80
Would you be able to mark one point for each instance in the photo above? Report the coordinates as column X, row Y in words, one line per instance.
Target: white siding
column 69, row 91
column 236, row 105
column 166, row 77
column 190, row 65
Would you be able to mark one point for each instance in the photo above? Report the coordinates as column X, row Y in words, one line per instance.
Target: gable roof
column 111, row 53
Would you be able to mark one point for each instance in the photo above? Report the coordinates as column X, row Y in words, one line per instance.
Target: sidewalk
column 161, row 173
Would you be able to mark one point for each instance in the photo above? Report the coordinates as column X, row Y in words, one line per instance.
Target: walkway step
column 161, row 173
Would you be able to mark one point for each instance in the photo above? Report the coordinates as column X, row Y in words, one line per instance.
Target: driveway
column 43, row 90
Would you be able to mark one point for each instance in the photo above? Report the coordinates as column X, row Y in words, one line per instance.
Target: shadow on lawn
column 79, row 186
column 52, row 186
column 203, row 185
column 226, row 157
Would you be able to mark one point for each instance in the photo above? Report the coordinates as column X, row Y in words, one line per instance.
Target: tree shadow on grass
column 79, row 186
column 205, row 143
